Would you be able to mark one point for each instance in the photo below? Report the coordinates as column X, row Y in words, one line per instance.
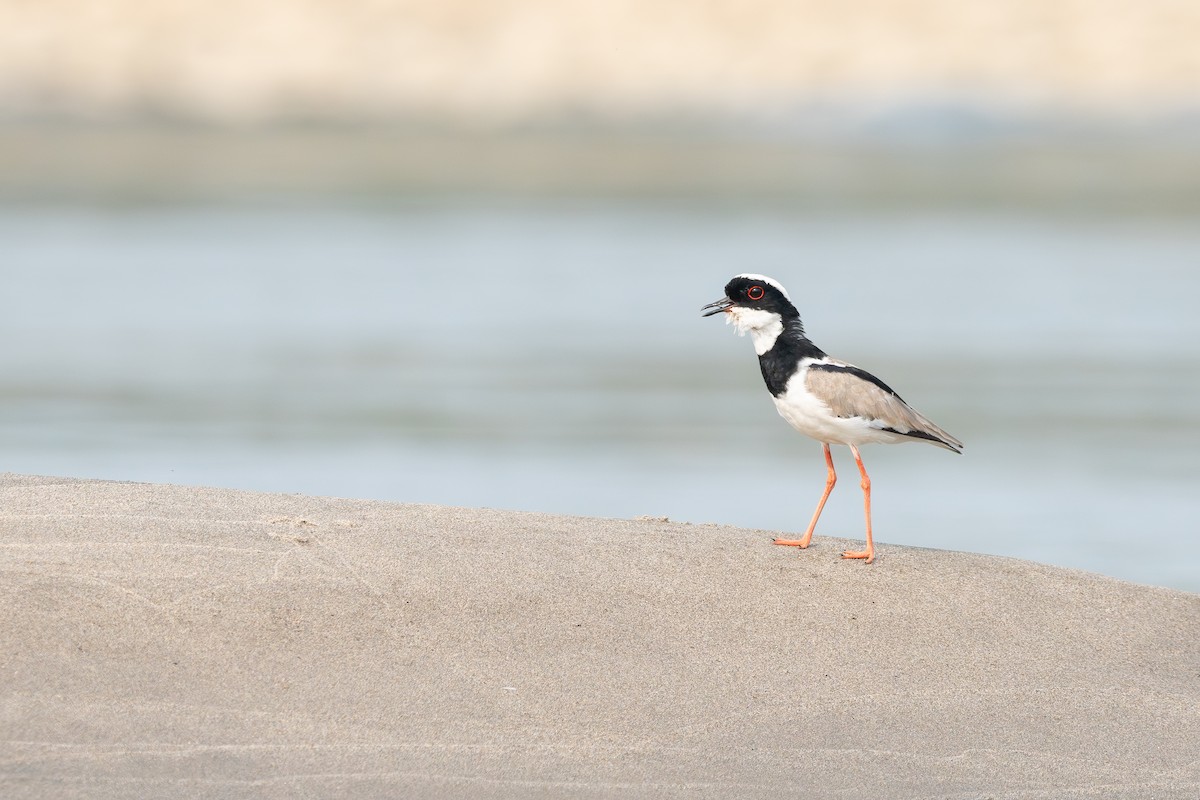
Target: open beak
column 724, row 304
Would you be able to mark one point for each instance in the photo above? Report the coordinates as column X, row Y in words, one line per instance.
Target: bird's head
column 757, row 304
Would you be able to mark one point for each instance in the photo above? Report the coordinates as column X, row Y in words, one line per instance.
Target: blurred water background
column 495, row 301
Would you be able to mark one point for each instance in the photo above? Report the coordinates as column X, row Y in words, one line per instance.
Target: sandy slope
column 161, row 640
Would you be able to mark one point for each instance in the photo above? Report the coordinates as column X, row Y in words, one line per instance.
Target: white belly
column 813, row 418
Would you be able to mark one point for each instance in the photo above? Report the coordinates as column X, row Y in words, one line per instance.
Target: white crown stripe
column 769, row 281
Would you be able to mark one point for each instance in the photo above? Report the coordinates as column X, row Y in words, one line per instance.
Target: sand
column 171, row 641
column 508, row 62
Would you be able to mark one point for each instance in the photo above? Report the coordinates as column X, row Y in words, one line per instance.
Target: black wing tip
column 953, row 446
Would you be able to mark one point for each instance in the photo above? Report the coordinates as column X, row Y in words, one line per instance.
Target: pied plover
column 829, row 400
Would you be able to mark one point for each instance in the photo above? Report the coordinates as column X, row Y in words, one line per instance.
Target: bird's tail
column 927, row 431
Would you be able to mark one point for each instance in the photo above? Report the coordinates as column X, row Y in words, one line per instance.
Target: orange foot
column 801, row 543
column 869, row 555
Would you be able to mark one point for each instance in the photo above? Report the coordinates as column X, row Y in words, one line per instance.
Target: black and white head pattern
column 761, row 307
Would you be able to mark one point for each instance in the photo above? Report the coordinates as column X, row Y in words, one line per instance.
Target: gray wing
column 853, row 392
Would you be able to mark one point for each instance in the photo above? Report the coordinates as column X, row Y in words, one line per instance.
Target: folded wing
column 852, row 392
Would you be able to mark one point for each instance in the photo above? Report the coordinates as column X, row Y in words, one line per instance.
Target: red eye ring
column 755, row 292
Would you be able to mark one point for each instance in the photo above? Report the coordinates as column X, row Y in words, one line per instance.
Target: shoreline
column 134, row 163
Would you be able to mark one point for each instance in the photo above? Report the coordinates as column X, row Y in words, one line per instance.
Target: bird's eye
column 755, row 293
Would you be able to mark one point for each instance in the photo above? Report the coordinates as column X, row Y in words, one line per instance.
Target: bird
column 828, row 400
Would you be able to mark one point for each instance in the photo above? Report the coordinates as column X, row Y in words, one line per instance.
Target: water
column 551, row 357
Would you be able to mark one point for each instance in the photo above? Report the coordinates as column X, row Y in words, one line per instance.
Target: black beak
column 724, row 304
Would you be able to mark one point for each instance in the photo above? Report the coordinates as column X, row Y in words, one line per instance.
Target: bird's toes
column 791, row 543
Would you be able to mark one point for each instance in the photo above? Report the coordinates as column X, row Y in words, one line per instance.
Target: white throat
column 764, row 326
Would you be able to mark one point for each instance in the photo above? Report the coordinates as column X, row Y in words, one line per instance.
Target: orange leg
column 812, row 526
column 869, row 553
